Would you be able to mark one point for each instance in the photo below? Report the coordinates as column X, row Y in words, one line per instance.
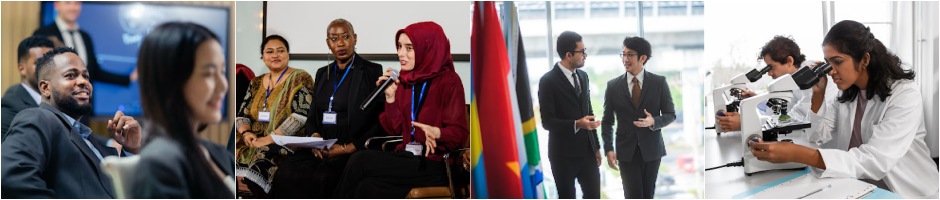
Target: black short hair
column 46, row 61
column 780, row 48
column 31, row 42
column 272, row 37
column 640, row 45
column 340, row 21
column 567, row 42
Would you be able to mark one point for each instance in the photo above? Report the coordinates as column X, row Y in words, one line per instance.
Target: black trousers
column 585, row 169
column 388, row 175
column 304, row 176
column 639, row 177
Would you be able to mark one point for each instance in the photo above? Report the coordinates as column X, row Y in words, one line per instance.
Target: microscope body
column 728, row 98
column 755, row 125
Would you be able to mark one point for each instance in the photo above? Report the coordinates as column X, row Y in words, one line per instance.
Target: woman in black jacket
column 339, row 90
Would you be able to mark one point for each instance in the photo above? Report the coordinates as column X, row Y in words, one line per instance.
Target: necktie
column 636, row 92
column 577, row 83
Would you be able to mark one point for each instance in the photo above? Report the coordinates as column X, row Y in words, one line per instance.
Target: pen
column 816, row 191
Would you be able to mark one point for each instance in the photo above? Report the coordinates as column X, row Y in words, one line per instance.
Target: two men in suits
column 66, row 32
column 641, row 105
column 47, row 153
column 24, row 95
column 567, row 115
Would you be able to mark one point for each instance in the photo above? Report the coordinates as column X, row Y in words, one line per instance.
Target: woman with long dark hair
column 182, row 85
column 874, row 130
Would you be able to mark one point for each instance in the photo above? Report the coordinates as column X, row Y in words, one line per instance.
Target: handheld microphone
column 375, row 93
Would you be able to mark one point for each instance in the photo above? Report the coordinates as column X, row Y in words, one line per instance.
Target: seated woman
column 875, row 130
column 276, row 103
column 427, row 107
column 182, row 85
column 343, row 86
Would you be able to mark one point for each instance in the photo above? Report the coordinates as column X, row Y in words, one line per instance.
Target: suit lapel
column 566, row 84
column 626, row 89
column 79, row 143
column 353, row 103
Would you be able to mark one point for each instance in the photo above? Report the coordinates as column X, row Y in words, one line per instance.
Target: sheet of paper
column 303, row 142
column 809, row 186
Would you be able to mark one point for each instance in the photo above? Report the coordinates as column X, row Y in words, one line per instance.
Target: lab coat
column 893, row 147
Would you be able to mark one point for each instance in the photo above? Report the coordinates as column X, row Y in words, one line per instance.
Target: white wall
column 249, row 31
column 375, row 22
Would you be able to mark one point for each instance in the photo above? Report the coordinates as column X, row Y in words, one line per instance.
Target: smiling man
column 641, row 104
column 47, row 153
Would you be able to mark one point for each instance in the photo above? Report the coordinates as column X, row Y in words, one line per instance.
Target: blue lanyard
column 269, row 87
column 413, row 113
column 336, row 85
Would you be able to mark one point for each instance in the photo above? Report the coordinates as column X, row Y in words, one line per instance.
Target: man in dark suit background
column 629, row 100
column 565, row 105
column 66, row 25
column 47, row 153
column 24, row 95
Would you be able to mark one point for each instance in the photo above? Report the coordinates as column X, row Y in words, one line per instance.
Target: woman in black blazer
column 182, row 84
column 339, row 90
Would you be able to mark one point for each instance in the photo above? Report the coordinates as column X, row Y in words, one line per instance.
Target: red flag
column 491, row 86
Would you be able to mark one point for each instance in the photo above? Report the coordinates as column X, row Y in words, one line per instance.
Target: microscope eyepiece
column 755, row 74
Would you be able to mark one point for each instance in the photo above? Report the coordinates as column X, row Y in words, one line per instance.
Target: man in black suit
column 568, row 117
column 47, row 153
column 66, row 25
column 629, row 100
column 24, row 95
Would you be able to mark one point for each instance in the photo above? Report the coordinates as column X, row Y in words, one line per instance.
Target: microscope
column 776, row 126
column 728, row 98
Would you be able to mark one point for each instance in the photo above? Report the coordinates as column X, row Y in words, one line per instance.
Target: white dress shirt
column 32, row 93
column 72, row 40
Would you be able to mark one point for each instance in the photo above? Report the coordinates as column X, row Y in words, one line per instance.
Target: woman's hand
column 263, row 141
column 390, row 90
column 249, row 138
column 242, row 187
column 782, row 152
column 431, row 134
column 334, row 151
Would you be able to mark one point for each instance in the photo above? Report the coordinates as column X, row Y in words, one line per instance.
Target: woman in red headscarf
column 428, row 89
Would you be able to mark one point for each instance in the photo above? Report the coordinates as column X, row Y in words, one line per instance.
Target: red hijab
column 432, row 52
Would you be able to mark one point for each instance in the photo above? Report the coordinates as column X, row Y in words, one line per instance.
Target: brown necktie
column 636, row 92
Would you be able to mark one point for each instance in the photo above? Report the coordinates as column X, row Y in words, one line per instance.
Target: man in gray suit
column 47, row 153
column 640, row 102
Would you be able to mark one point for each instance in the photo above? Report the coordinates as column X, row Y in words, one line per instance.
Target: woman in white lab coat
column 874, row 130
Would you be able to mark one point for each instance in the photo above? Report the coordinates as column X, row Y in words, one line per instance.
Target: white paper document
column 303, row 142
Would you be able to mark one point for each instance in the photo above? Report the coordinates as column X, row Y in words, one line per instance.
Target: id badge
column 415, row 148
column 329, row 117
column 264, row 116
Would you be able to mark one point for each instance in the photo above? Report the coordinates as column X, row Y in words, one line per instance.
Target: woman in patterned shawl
column 276, row 104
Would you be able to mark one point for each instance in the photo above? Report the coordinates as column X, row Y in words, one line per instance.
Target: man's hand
column 645, row 122
column 598, row 154
column 586, row 123
column 612, row 160
column 126, row 131
column 748, row 93
column 730, row 122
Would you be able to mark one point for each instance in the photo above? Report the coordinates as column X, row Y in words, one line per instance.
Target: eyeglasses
column 629, row 55
column 583, row 51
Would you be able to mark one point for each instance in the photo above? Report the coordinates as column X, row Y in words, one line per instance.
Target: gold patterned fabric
column 288, row 103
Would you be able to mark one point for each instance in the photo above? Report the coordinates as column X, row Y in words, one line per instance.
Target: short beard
column 69, row 105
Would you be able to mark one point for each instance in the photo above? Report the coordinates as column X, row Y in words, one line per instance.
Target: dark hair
column 272, row 37
column 339, row 21
column 165, row 63
column 854, row 39
column 47, row 60
column 31, row 42
column 567, row 42
column 780, row 48
column 640, row 45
